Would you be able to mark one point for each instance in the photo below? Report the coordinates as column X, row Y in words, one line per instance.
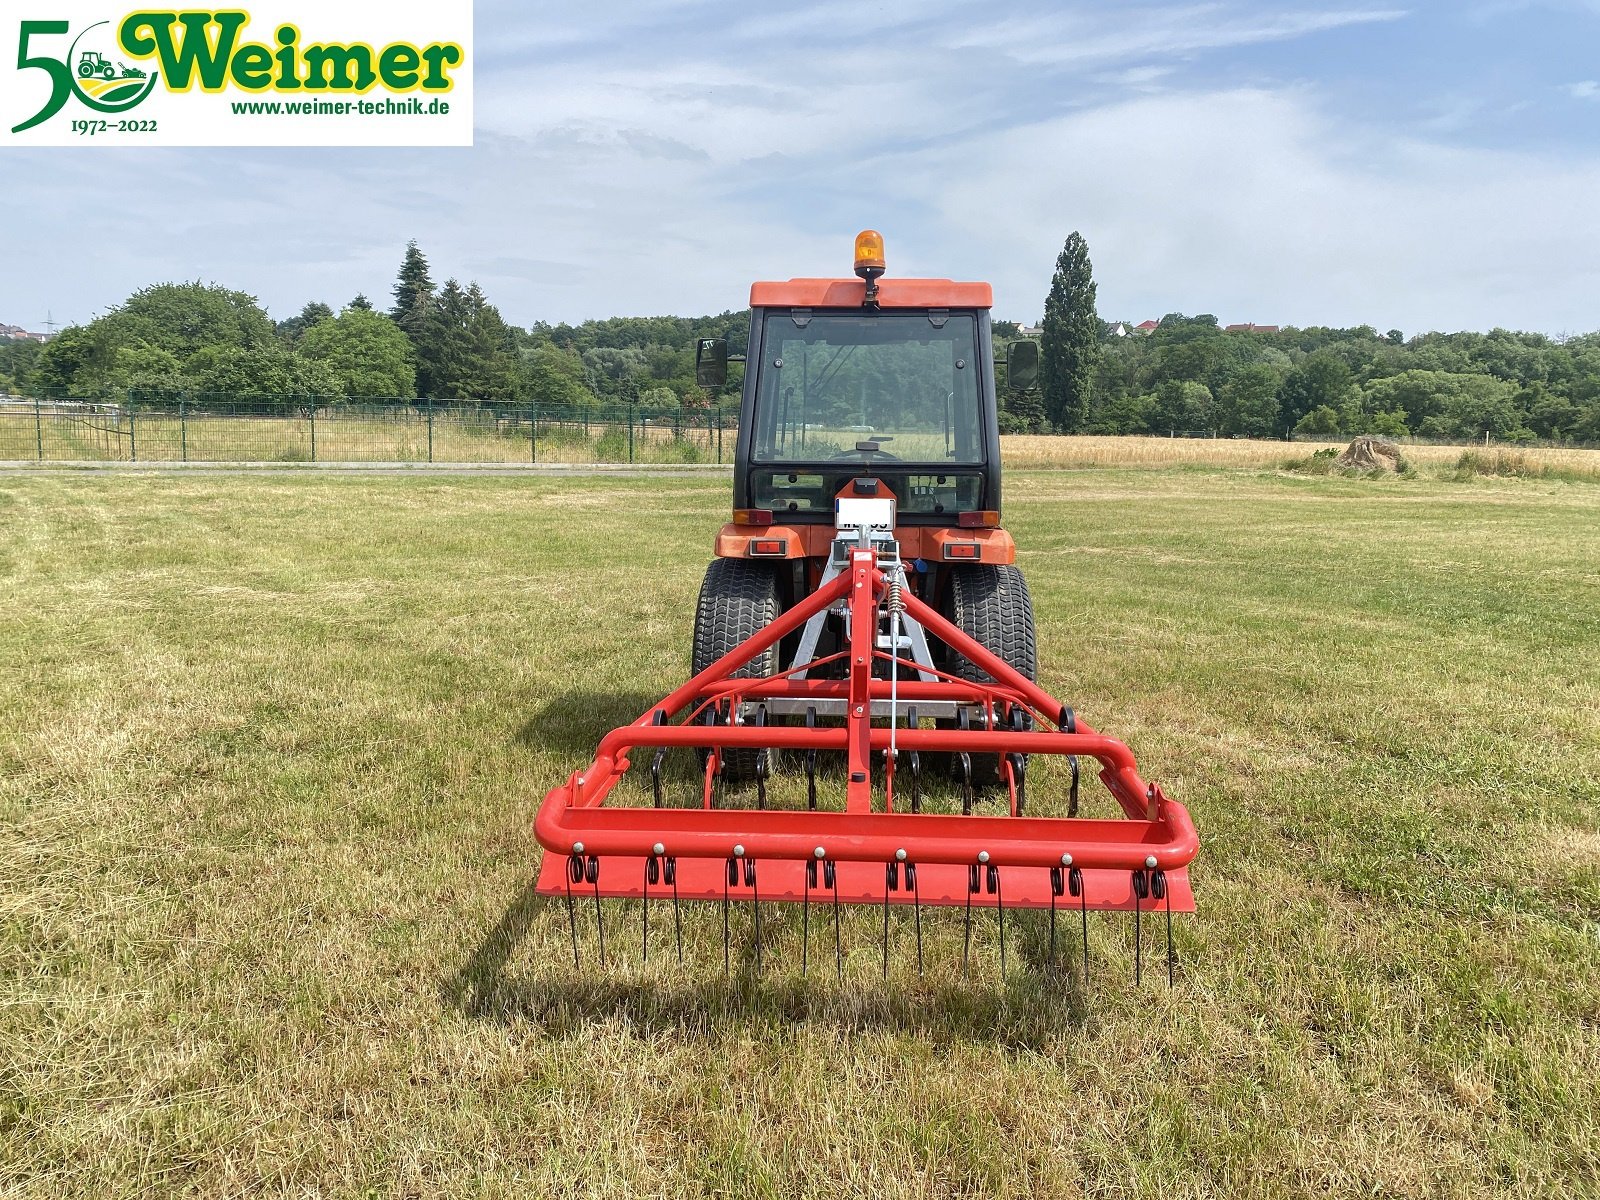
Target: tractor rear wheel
column 737, row 600
column 992, row 606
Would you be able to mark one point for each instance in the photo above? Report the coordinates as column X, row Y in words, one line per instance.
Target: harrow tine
column 763, row 762
column 658, row 718
column 1075, row 887
column 915, row 763
column 755, row 893
column 652, row 875
column 916, row 904
column 591, row 872
column 831, row 877
column 1072, row 789
column 890, row 873
column 1158, row 889
column 670, row 872
column 1141, row 890
column 805, row 918
column 966, row 940
column 992, row 884
column 574, row 869
column 727, row 882
column 811, row 764
column 1058, row 885
column 964, row 761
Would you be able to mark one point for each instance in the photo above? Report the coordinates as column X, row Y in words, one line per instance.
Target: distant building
column 1249, row 328
column 1119, row 330
column 1031, row 331
column 1145, row 328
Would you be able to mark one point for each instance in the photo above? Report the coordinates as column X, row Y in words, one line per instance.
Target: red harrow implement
column 886, row 583
column 880, row 848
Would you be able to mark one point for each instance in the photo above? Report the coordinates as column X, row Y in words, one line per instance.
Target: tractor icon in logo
column 103, row 83
column 94, row 63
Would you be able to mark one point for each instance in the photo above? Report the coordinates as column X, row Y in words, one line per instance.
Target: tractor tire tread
column 737, row 600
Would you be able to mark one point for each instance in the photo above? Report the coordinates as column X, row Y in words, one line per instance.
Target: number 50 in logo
column 93, row 76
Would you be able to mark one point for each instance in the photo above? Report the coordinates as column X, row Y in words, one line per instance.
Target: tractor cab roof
column 851, row 293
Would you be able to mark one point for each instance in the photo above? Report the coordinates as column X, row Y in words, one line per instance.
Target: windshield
column 869, row 386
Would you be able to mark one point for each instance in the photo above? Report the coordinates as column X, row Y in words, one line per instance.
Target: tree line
column 1187, row 376
column 1191, row 376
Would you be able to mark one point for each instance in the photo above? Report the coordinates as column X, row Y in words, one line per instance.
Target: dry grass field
column 1026, row 452
column 270, row 749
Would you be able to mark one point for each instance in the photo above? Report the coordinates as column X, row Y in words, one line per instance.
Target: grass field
column 270, row 749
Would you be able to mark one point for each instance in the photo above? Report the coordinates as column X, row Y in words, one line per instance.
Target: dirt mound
column 1368, row 453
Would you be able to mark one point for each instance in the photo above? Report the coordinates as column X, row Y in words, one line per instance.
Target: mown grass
column 270, row 750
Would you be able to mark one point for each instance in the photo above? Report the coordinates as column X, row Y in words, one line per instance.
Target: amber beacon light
column 869, row 254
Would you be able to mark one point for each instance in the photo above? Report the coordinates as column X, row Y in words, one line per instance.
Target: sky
column 1410, row 166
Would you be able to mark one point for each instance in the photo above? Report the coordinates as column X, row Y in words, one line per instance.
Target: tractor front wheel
column 737, row 600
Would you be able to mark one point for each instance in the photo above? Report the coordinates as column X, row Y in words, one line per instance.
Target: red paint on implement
column 1154, row 833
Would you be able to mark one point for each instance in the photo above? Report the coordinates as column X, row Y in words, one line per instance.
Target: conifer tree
column 413, row 295
column 1070, row 345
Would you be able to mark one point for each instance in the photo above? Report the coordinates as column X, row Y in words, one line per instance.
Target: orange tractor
column 865, row 620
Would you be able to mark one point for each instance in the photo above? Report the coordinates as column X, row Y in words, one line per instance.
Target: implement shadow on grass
column 573, row 723
column 1034, row 1005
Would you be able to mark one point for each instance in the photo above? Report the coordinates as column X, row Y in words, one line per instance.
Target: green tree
column 1070, row 344
column 312, row 315
column 239, row 372
column 361, row 303
column 182, row 318
column 1182, row 406
column 1322, row 380
column 468, row 352
column 367, row 353
column 413, row 296
column 146, row 368
column 1321, row 421
column 553, row 378
column 1248, row 402
column 79, row 358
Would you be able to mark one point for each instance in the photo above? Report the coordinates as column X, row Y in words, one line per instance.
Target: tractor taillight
column 869, row 251
column 987, row 519
column 768, row 548
column 961, row 550
column 752, row 516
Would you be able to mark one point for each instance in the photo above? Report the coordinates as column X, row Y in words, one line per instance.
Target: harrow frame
column 886, row 852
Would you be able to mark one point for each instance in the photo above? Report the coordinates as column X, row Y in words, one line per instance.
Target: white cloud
column 626, row 174
column 1256, row 206
column 1588, row 89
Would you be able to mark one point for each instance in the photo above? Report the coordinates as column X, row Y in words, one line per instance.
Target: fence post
column 38, row 425
column 183, row 426
column 630, row 431
column 533, row 432
column 312, row 409
column 716, row 415
column 133, row 441
column 430, row 429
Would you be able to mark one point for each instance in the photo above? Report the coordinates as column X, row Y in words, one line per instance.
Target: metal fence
column 289, row 429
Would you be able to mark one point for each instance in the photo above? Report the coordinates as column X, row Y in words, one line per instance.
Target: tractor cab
column 860, row 387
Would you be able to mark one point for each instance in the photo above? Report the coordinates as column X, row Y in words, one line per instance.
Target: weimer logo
column 230, row 77
column 88, row 72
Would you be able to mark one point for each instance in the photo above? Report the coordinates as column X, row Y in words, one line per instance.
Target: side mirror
column 1022, row 364
column 711, row 362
